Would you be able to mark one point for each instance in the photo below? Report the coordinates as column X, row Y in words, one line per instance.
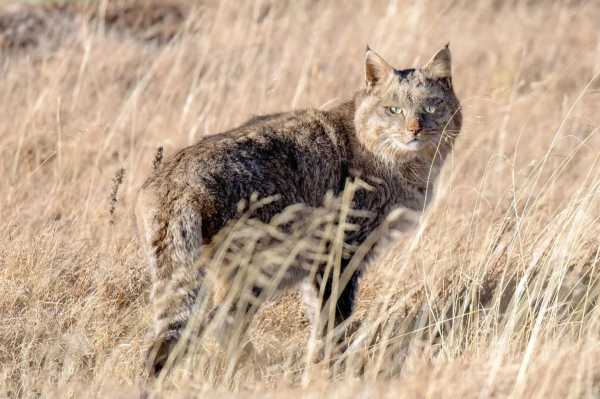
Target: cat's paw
column 158, row 352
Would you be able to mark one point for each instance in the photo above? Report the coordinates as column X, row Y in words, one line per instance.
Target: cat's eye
column 394, row 110
column 430, row 109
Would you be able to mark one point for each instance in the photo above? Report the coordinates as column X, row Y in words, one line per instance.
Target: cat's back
column 297, row 157
column 293, row 145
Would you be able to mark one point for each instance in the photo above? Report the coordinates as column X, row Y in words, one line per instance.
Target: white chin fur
column 411, row 146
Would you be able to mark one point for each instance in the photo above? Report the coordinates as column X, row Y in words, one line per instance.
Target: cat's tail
column 170, row 230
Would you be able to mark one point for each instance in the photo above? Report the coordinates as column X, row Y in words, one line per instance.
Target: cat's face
column 408, row 113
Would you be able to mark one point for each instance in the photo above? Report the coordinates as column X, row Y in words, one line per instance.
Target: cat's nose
column 413, row 125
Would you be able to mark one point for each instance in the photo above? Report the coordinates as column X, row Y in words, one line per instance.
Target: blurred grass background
column 494, row 295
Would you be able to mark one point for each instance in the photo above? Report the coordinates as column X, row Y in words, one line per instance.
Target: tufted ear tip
column 376, row 68
column 439, row 67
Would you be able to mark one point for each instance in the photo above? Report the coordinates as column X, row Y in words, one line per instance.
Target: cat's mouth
column 413, row 145
column 400, row 143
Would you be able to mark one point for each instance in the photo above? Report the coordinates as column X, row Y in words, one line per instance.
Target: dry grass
column 495, row 295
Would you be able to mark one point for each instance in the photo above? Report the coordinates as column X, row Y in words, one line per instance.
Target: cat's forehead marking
column 413, row 85
column 404, row 73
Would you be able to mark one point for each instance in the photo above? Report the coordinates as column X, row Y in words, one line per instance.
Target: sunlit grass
column 495, row 293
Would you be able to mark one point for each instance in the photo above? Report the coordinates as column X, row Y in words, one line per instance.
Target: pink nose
column 413, row 125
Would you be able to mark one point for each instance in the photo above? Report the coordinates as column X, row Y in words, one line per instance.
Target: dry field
column 495, row 295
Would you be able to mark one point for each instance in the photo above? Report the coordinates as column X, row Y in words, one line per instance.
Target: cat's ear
column 377, row 69
column 439, row 67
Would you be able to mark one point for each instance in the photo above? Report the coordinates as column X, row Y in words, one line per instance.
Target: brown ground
column 23, row 26
column 496, row 295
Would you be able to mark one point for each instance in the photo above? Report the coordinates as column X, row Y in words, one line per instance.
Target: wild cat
column 394, row 134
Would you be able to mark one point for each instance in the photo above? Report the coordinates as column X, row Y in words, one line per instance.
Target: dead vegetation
column 496, row 294
column 23, row 26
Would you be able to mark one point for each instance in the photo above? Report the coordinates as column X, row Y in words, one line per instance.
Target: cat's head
column 408, row 113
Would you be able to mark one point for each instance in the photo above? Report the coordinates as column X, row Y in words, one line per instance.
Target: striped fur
column 394, row 135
